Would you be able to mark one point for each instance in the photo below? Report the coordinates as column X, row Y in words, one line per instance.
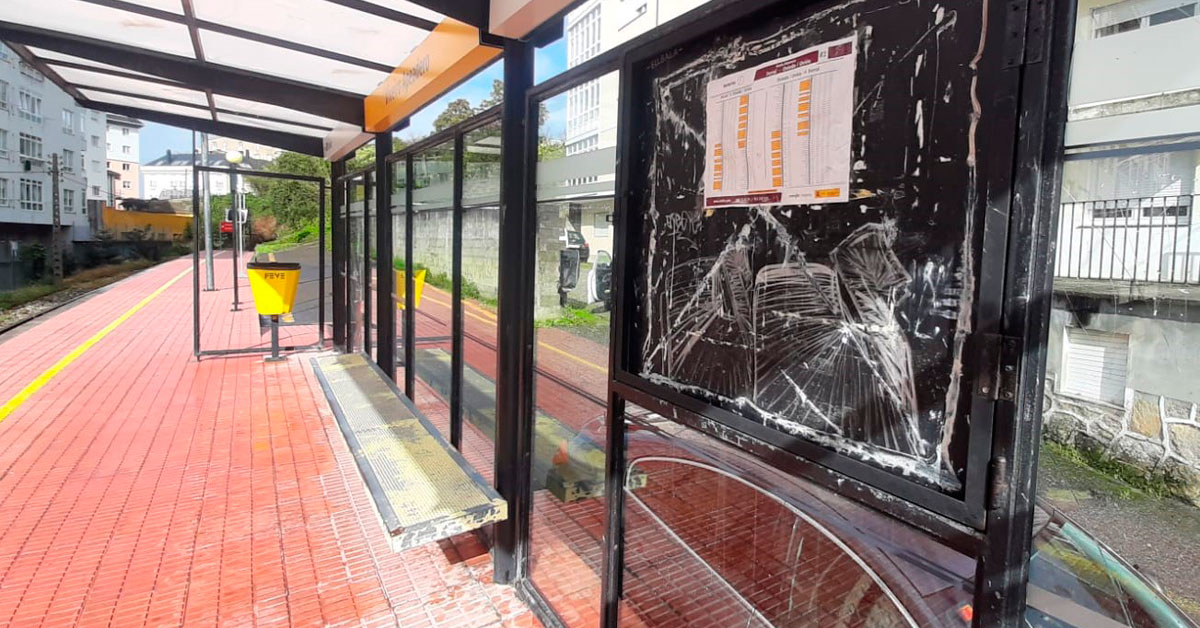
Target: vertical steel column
column 385, row 274
column 366, row 260
column 321, row 263
column 347, row 314
column 456, row 311
column 613, row 559
column 410, row 314
column 514, row 359
column 237, row 232
column 1003, row 569
column 195, row 254
column 338, row 226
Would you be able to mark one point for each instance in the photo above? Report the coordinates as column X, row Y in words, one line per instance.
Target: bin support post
column 275, row 357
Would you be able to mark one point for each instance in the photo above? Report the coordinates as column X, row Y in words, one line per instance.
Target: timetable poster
column 779, row 133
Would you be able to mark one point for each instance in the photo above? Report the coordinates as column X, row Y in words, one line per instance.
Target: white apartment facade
column 170, row 176
column 122, row 144
column 37, row 121
column 591, row 120
column 224, row 145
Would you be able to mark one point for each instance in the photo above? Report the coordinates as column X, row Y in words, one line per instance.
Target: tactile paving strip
column 424, row 489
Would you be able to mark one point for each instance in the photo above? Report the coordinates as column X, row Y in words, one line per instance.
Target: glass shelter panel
column 355, row 261
column 575, row 174
column 432, row 237
column 480, row 217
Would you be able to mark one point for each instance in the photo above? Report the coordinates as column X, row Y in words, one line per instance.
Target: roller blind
column 1096, row 365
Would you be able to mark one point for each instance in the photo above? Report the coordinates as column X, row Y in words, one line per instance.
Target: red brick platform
column 139, row 486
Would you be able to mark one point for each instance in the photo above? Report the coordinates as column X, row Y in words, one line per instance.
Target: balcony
column 1132, row 248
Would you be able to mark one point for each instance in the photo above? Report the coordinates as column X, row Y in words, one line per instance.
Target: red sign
column 226, row 226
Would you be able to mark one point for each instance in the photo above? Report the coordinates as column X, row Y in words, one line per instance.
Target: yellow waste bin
column 418, row 287
column 273, row 285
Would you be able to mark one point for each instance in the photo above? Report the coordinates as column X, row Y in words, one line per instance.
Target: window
column 3, row 94
column 95, row 141
column 68, row 201
column 31, row 72
column 124, row 131
column 68, row 160
column 68, row 119
column 125, row 167
column 31, row 194
column 601, row 222
column 1132, row 15
column 125, row 149
column 95, row 190
column 5, row 199
column 583, row 38
column 125, row 184
column 30, row 106
column 4, row 143
column 1095, row 365
column 31, row 147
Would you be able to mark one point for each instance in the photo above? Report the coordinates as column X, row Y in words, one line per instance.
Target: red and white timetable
column 779, row 133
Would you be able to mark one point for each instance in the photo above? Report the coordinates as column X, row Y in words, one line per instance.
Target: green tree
column 455, row 112
column 497, row 97
column 292, row 203
column 365, row 156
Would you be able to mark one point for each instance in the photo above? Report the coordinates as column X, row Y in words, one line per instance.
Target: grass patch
column 309, row 232
column 1129, row 479
column 573, row 317
column 83, row 280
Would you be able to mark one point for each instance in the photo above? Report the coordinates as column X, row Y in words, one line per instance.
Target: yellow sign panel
column 450, row 54
column 274, row 286
column 418, row 288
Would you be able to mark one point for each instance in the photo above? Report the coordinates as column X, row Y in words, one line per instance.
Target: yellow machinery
column 418, row 287
column 273, row 285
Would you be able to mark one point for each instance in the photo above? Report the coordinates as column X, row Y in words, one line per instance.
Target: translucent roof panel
column 50, row 56
column 320, row 24
column 268, row 124
column 273, row 111
column 174, row 6
column 410, row 8
column 150, row 105
column 84, row 78
column 100, row 22
column 275, row 61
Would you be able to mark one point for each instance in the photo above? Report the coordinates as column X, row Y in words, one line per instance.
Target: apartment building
column 122, row 143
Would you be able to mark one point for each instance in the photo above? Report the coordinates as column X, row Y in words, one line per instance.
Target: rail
column 1137, row 240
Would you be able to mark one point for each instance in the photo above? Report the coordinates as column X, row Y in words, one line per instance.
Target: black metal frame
column 233, row 173
column 990, row 521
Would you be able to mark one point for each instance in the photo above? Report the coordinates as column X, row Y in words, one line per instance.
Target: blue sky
column 156, row 138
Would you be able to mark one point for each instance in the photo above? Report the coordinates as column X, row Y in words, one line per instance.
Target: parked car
column 574, row 240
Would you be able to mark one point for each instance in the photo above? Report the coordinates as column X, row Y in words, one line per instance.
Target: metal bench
column 424, row 489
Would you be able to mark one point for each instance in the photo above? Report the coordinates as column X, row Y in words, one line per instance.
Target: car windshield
column 574, row 238
column 1075, row 581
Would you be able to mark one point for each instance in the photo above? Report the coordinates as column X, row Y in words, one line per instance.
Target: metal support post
column 456, row 306
column 514, row 385
column 1003, row 570
column 195, row 255
column 206, row 198
column 385, row 275
column 338, row 226
column 236, row 241
column 275, row 357
column 321, row 263
column 410, row 300
column 366, row 262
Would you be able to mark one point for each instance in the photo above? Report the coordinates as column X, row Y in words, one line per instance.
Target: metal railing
column 1147, row 240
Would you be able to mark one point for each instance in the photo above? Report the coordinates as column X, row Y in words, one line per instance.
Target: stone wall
column 481, row 249
column 1152, row 432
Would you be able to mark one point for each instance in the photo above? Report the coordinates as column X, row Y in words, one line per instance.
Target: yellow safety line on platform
column 12, row 404
column 578, row 359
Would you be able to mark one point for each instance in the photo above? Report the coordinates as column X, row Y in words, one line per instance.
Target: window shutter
column 1096, row 365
